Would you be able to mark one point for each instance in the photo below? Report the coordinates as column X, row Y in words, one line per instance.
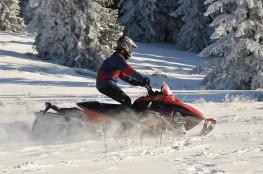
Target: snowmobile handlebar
column 150, row 90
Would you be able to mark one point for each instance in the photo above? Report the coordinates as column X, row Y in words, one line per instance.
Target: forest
column 82, row 33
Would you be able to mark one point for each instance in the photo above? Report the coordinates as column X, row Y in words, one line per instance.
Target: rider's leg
column 117, row 94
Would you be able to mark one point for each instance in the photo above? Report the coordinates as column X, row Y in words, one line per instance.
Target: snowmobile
column 158, row 110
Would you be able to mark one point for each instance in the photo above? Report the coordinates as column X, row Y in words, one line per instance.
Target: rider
column 115, row 67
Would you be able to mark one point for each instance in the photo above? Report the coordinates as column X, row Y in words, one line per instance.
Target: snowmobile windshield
column 165, row 89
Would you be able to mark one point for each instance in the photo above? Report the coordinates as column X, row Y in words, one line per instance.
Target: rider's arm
column 129, row 80
column 131, row 76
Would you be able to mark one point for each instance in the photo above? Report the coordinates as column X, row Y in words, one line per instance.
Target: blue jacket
column 115, row 67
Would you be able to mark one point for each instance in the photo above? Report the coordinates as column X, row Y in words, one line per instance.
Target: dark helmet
column 126, row 44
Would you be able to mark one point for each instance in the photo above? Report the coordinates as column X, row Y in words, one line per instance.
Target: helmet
column 126, row 44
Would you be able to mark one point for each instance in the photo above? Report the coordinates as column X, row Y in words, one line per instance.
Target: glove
column 145, row 82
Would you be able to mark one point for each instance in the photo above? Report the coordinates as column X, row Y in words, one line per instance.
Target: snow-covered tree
column 9, row 16
column 105, row 3
column 167, row 24
column 195, row 32
column 79, row 33
column 148, row 20
column 140, row 18
column 28, row 8
column 239, row 44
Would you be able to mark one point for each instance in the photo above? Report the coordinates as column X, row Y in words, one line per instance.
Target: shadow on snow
column 24, row 81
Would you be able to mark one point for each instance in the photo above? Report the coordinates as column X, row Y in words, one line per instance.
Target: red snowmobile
column 159, row 109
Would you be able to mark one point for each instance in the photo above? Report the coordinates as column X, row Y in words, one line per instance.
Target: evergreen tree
column 105, row 3
column 239, row 44
column 168, row 25
column 9, row 16
column 195, row 32
column 29, row 8
column 140, row 18
column 79, row 33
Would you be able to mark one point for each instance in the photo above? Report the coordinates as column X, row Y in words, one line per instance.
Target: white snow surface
column 26, row 82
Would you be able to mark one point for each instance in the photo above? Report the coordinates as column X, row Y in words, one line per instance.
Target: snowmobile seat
column 102, row 107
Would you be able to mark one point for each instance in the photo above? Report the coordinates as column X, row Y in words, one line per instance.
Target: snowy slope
column 235, row 146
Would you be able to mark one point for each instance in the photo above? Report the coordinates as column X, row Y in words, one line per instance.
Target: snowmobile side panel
column 92, row 116
column 101, row 112
column 172, row 102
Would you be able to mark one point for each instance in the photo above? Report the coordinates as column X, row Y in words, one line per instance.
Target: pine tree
column 29, row 8
column 195, row 32
column 168, row 25
column 79, row 33
column 140, row 18
column 239, row 44
column 9, row 16
column 105, row 3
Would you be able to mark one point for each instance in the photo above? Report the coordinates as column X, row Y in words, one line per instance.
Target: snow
column 234, row 146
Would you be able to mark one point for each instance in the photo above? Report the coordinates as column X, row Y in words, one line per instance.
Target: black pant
column 117, row 94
